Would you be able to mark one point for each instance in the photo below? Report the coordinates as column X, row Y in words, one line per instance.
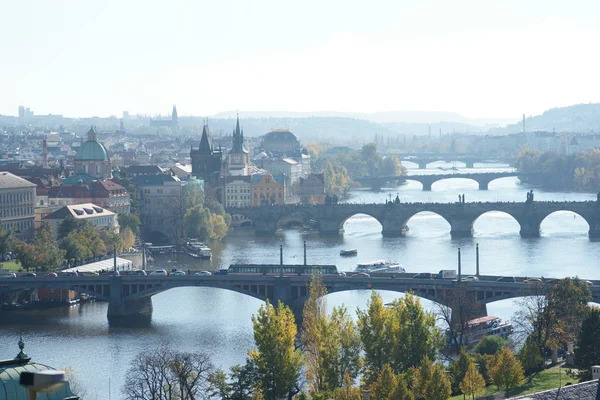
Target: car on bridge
column 51, row 275
column 533, row 281
column 506, row 279
column 361, row 275
column 28, row 275
column 203, row 273
column 68, row 273
column 424, row 275
column 8, row 275
column 139, row 272
column 469, row 279
column 159, row 272
column 177, row 273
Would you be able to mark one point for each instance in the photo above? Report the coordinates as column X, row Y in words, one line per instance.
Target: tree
column 569, row 298
column 373, row 326
column 8, row 240
column 414, row 333
column 402, row 391
column 383, row 388
column 587, row 350
column 314, row 327
column 46, row 253
column 276, row 360
column 197, row 223
column 342, row 349
column 458, row 369
column 127, row 238
column 460, row 307
column 70, row 224
column 490, row 345
column 530, row 357
column 348, row 391
column 219, row 226
column 166, row 374
column 473, row 383
column 430, row 381
column 131, row 221
column 506, row 370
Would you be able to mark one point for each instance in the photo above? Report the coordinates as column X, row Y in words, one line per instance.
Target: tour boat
column 348, row 253
column 487, row 326
column 198, row 249
column 379, row 266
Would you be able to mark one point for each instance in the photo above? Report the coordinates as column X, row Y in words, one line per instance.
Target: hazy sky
column 480, row 58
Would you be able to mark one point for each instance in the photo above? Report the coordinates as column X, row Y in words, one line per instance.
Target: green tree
column 239, row 385
column 569, row 298
column 402, row 391
column 197, row 223
column 490, row 345
column 430, row 381
column 8, row 240
column 506, row 370
column 587, row 350
column 415, row 334
column 219, row 227
column 342, row 348
column 277, row 361
column 373, row 326
column 49, row 255
column 530, row 357
column 131, row 221
column 458, row 369
column 348, row 391
column 472, row 383
column 70, row 224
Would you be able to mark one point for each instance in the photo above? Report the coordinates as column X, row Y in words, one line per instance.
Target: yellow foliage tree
column 473, row 383
column 506, row 370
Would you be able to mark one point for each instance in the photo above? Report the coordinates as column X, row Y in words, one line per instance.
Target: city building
column 143, row 170
column 281, row 142
column 172, row 123
column 92, row 158
column 161, row 208
column 312, row 189
column 206, row 164
column 287, row 166
column 17, row 204
column 268, row 190
column 238, row 191
column 100, row 217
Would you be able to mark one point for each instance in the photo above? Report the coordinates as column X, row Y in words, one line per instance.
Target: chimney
column 595, row 371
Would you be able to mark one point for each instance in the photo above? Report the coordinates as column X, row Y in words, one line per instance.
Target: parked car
column 533, row 281
column 203, row 273
column 506, row 279
column 469, row 279
column 28, row 275
column 51, row 275
column 361, row 275
column 424, row 275
column 177, row 273
column 159, row 272
column 8, row 275
column 140, row 272
column 221, row 272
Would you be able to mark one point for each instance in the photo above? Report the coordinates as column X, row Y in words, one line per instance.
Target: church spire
column 205, row 142
column 91, row 135
column 238, row 138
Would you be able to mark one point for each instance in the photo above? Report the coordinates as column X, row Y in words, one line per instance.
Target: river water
column 218, row 322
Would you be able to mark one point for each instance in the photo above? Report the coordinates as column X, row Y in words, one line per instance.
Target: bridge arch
column 342, row 222
column 260, row 292
column 504, row 223
column 465, row 183
column 574, row 221
column 99, row 291
column 293, row 218
column 439, row 221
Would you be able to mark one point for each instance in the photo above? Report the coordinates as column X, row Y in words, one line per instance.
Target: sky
column 479, row 58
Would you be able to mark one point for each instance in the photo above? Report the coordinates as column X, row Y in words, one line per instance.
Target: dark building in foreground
column 206, row 164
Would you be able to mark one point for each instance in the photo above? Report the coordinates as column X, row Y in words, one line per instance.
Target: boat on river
column 197, row 249
column 379, row 266
column 349, row 253
column 487, row 326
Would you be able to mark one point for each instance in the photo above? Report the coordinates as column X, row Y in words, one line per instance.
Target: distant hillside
column 576, row 118
column 411, row 117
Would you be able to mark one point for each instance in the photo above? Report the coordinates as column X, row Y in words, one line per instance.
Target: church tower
column 237, row 160
column 206, row 162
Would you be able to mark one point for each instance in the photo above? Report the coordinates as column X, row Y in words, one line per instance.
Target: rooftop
column 10, row 181
column 580, row 391
column 80, row 211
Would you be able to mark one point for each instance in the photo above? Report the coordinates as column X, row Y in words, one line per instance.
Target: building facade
column 312, row 189
column 238, row 191
column 206, row 164
column 17, row 205
column 100, row 217
column 268, row 190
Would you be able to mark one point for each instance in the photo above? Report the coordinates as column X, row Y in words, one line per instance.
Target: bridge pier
column 264, row 227
column 330, row 227
column 423, row 164
column 529, row 229
column 594, row 232
column 483, row 185
column 461, row 228
column 469, row 164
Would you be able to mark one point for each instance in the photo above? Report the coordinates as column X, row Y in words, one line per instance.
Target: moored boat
column 348, row 253
column 486, row 326
column 379, row 266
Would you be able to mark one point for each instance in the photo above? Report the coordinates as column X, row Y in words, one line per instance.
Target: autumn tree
column 384, row 386
column 430, row 381
column 458, row 369
column 506, row 370
column 348, row 391
column 569, row 299
column 472, row 383
column 313, row 336
column 342, row 348
column 131, row 221
column 276, row 359
column 530, row 357
column 460, row 306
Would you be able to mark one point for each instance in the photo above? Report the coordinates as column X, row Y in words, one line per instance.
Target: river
column 218, row 322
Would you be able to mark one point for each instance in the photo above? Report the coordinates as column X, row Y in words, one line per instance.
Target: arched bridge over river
column 132, row 295
column 393, row 217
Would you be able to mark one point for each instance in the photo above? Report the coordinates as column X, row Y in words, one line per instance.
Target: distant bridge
column 132, row 295
column 423, row 159
column 394, row 217
column 483, row 179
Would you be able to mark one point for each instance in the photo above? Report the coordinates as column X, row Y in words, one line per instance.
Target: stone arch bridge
column 132, row 295
column 394, row 217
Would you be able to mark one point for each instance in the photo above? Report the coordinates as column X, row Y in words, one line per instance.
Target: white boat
column 487, row 326
column 380, row 266
column 197, row 248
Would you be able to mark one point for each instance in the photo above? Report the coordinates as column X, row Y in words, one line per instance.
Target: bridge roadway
column 427, row 180
column 132, row 295
column 423, row 159
column 394, row 217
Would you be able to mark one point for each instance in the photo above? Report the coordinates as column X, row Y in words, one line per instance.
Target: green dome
column 92, row 150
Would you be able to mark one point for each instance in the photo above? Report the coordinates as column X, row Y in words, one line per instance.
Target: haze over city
column 482, row 59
